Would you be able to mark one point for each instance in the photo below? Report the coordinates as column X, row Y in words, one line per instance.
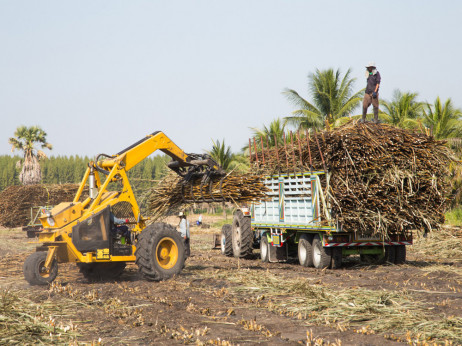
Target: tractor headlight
column 51, row 221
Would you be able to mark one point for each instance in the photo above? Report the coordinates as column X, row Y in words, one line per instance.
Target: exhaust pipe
column 92, row 182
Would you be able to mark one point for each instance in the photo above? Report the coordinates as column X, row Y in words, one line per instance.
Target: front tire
column 160, row 252
column 242, row 235
column 305, row 250
column 322, row 256
column 226, row 240
column 35, row 272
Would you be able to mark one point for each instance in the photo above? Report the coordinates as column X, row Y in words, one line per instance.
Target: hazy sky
column 99, row 75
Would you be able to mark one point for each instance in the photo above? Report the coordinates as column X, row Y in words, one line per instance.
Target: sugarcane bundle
column 173, row 192
column 16, row 201
column 383, row 179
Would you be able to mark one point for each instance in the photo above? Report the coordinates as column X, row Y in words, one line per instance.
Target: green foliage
column 9, row 174
column 240, row 163
column 270, row 134
column 64, row 169
column 25, row 140
column 454, row 217
column 221, row 154
column 220, row 223
column 332, row 96
column 403, row 110
column 443, row 119
column 27, row 137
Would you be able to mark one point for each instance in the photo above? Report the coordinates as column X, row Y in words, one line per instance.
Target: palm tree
column 25, row 140
column 443, row 120
column 240, row 163
column 275, row 130
column 332, row 96
column 226, row 159
column 221, row 154
column 403, row 111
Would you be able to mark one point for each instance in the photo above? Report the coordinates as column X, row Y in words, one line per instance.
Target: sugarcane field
column 230, row 173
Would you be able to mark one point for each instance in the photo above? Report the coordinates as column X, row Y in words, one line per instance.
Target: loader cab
column 93, row 233
column 99, row 232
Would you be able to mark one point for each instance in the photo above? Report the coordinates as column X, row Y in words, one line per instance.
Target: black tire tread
column 227, row 232
column 30, row 269
column 390, row 254
column 145, row 258
column 326, row 253
column 307, row 241
column 246, row 248
column 264, row 242
column 336, row 258
column 400, row 254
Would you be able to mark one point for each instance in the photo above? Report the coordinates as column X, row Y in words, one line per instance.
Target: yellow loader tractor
column 85, row 231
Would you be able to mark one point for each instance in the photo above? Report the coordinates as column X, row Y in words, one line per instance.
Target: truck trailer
column 295, row 220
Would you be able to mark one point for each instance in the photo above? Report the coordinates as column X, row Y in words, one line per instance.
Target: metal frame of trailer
column 293, row 208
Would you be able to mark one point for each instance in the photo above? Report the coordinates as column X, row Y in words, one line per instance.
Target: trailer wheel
column 305, row 250
column 322, row 256
column 400, row 254
column 226, row 240
column 160, row 252
column 390, row 254
column 242, row 235
column 336, row 257
column 35, row 272
column 264, row 248
column 101, row 271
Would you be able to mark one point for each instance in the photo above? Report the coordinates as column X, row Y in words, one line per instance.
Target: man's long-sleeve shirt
column 372, row 82
column 184, row 228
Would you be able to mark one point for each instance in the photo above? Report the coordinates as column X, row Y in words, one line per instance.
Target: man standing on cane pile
column 372, row 92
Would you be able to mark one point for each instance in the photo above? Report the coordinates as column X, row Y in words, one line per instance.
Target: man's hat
column 370, row 64
column 181, row 214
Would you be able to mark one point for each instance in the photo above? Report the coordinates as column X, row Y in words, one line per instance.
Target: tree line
column 71, row 169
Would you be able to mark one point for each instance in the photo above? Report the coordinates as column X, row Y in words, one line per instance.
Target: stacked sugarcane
column 16, row 201
column 382, row 179
column 173, row 192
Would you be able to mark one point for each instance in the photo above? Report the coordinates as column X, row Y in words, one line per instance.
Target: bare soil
column 219, row 300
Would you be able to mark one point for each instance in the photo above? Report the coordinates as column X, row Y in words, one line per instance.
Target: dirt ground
column 228, row 301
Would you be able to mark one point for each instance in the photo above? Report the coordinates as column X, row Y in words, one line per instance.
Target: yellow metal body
column 58, row 223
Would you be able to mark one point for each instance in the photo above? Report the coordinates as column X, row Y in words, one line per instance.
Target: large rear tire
column 101, row 271
column 160, row 252
column 242, row 235
column 305, row 250
column 226, row 240
column 35, row 272
column 322, row 256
